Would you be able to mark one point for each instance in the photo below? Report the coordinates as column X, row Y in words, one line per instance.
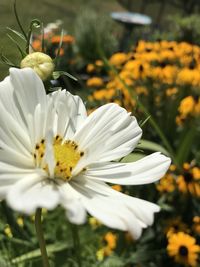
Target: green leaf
column 23, row 54
column 17, row 33
column 132, row 157
column 145, row 121
column 185, row 145
column 57, row 74
column 6, row 61
column 53, row 248
column 143, row 255
column 16, row 241
column 148, row 145
column 112, row 261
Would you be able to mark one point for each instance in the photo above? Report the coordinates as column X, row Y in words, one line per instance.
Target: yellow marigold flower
column 172, row 167
column 167, row 45
column 141, row 90
column 175, row 225
column 144, row 46
column 183, row 248
column 111, row 240
column 117, row 187
column 166, row 184
column 180, row 120
column 196, row 173
column 171, row 91
column 8, row 231
column 187, row 182
column 167, row 55
column 187, row 105
column 95, row 82
column 90, row 68
column 118, row 59
column 100, row 94
column 186, row 166
column 111, row 243
column 196, row 224
column 197, row 107
column 169, row 74
column 127, row 77
column 188, row 76
column 139, row 69
column 99, row 63
column 41, row 63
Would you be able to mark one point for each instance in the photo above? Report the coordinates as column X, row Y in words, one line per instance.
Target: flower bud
column 41, row 63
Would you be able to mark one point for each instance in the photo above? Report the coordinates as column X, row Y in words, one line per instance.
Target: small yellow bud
column 41, row 63
column 20, row 221
column 8, row 231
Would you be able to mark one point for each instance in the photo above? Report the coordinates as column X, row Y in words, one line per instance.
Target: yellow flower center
column 66, row 156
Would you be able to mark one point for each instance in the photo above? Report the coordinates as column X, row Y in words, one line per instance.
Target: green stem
column 40, row 235
column 18, row 20
column 77, row 246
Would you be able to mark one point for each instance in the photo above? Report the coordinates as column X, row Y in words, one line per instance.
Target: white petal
column 12, row 129
column 107, row 134
column 71, row 113
column 30, row 94
column 9, row 175
column 29, row 89
column 32, row 192
column 70, row 200
column 146, row 170
column 9, row 102
column 12, row 157
column 115, row 209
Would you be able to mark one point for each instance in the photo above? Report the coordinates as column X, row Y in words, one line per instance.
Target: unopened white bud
column 41, row 63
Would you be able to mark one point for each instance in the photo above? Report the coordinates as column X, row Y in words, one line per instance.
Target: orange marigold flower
column 37, row 45
column 66, row 39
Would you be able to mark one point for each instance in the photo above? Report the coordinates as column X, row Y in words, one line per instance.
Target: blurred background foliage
column 72, row 14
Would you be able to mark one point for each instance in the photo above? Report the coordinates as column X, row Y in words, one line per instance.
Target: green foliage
column 179, row 28
column 94, row 35
column 185, row 28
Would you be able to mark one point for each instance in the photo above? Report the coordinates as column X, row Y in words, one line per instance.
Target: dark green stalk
column 18, row 20
column 40, row 235
column 77, row 247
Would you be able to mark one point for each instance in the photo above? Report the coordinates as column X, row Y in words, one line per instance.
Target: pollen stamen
column 66, row 155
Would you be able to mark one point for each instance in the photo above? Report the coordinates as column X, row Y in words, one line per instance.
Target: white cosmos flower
column 53, row 153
